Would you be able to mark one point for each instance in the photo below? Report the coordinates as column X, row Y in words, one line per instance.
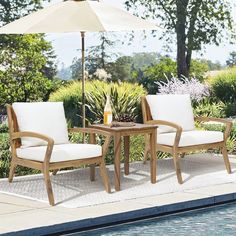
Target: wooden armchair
column 176, row 133
column 39, row 140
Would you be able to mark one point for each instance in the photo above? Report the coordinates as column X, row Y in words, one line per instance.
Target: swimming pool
column 220, row 220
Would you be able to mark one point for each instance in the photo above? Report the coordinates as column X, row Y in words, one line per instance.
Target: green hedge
column 224, row 85
column 224, row 89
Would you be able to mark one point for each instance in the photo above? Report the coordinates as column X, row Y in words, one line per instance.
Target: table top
column 137, row 127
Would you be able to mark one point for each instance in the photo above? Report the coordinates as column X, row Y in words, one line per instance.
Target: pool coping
column 128, row 216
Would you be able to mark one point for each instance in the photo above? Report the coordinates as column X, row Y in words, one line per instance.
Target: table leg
column 147, row 148
column 153, row 156
column 117, row 151
column 126, row 152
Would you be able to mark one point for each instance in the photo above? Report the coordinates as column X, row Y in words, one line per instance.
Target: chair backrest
column 174, row 108
column 145, row 110
column 13, row 126
column 47, row 118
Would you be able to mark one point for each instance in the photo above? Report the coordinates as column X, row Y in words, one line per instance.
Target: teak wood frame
column 117, row 133
column 45, row 166
column 175, row 150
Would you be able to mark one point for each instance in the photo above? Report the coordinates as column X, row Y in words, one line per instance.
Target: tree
column 27, row 62
column 163, row 70
column 97, row 57
column 76, row 69
column 144, row 59
column 232, row 59
column 194, row 23
column 64, row 73
column 198, row 69
column 100, row 55
column 22, row 70
column 11, row 10
column 121, row 69
column 211, row 65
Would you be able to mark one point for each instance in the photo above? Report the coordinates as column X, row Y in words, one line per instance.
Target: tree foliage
column 22, row 73
column 121, row 69
column 96, row 57
column 11, row 10
column 194, row 23
column 27, row 62
column 162, row 71
column 198, row 69
column 211, row 65
column 232, row 59
column 144, row 59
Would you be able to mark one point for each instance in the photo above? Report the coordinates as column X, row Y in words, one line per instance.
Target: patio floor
column 82, row 204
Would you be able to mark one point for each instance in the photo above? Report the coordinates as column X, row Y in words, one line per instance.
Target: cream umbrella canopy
column 78, row 16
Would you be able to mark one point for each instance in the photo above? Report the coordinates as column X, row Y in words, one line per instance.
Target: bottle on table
column 107, row 115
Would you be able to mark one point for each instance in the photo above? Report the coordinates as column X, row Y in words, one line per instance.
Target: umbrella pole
column 83, row 78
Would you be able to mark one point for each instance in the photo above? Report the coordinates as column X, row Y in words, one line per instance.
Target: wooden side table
column 126, row 132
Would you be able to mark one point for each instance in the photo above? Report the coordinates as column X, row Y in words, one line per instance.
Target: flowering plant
column 197, row 90
column 101, row 74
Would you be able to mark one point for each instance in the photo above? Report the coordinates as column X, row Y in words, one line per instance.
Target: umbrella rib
column 97, row 17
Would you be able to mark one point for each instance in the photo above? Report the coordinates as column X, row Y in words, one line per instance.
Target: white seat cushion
column 62, row 152
column 189, row 138
column 174, row 108
column 46, row 118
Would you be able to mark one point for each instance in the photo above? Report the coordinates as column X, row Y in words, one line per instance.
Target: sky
column 67, row 45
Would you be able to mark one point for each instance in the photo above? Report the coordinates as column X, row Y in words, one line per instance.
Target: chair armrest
column 17, row 135
column 170, row 124
column 228, row 124
column 92, row 133
column 206, row 119
column 50, row 141
column 164, row 122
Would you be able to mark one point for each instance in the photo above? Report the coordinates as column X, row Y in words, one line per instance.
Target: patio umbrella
column 78, row 16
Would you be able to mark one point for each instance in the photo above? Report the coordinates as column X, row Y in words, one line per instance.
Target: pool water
column 213, row 221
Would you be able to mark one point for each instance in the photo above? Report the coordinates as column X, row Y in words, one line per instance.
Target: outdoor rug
column 74, row 189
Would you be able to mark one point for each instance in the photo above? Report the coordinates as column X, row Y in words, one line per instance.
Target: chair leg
column 226, row 159
column 48, row 186
column 182, row 155
column 54, row 172
column 147, row 148
column 12, row 172
column 92, row 172
column 177, row 168
column 104, row 175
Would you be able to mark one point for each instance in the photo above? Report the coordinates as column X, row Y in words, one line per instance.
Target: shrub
column 198, row 69
column 230, row 109
column 210, row 109
column 125, row 98
column 231, row 142
column 71, row 95
column 224, row 86
column 224, row 89
column 197, row 90
column 3, row 128
column 163, row 70
column 5, row 157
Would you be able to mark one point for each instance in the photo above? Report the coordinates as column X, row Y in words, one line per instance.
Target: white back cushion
column 46, row 118
column 174, row 108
